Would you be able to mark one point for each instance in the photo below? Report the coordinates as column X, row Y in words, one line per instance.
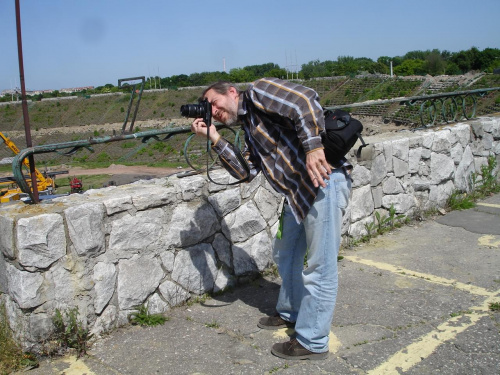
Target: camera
column 202, row 110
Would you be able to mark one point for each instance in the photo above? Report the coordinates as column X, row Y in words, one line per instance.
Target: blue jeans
column 308, row 292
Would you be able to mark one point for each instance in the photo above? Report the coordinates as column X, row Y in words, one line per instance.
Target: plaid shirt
column 282, row 123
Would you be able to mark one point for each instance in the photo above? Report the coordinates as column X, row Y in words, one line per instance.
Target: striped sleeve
column 227, row 154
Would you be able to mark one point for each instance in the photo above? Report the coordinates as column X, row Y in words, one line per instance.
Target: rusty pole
column 26, row 119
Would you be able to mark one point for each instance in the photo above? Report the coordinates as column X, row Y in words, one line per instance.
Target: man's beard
column 231, row 119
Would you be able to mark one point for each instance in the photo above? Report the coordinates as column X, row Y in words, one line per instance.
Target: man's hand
column 317, row 167
column 199, row 127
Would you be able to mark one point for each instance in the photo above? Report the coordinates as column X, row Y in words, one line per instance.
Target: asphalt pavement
column 416, row 300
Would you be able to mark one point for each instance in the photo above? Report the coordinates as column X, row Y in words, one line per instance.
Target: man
column 282, row 124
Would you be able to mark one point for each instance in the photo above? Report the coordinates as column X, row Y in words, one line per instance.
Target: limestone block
column 136, row 233
column 439, row 194
column 414, row 157
column 243, row 223
column 392, row 186
column 442, row 168
column 104, row 277
column 462, row 133
column 495, row 129
column 25, row 287
column 153, row 196
column 377, row 194
column 41, row 240
column 253, row 255
column 346, row 220
column 191, row 223
column 388, row 152
column 456, row 153
column 191, row 187
column 360, row 176
column 221, row 177
column 427, row 140
column 167, row 259
column 415, row 142
column 118, row 204
column 138, row 277
column 267, row 203
column 106, row 321
column 361, row 203
column 86, row 228
column 420, row 184
column 64, row 285
column 173, row 293
column 487, row 141
column 401, row 149
column 248, row 189
column 223, row 249
column 225, row 201
column 40, row 327
column 156, row 305
column 402, row 202
column 195, row 268
column 477, row 128
column 464, row 170
column 379, row 170
column 426, row 153
column 358, row 229
column 224, row 280
column 7, row 237
column 423, row 168
column 3, row 275
column 401, row 167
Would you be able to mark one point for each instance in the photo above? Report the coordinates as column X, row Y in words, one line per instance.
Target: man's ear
column 233, row 92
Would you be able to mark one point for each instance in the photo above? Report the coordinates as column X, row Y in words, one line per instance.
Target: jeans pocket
column 342, row 191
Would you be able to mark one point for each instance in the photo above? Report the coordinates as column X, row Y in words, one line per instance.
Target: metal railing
column 449, row 107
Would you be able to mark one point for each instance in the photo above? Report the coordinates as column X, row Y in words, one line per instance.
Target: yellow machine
column 9, row 192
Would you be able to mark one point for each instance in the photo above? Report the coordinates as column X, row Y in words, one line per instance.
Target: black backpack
column 341, row 133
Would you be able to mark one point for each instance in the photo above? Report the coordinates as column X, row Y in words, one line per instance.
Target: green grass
column 144, row 318
column 12, row 357
column 495, row 306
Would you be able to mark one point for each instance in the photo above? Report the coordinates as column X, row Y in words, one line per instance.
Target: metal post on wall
column 24, row 104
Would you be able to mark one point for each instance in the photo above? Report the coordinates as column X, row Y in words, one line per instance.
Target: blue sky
column 72, row 43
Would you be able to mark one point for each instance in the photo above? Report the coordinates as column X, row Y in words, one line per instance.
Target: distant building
column 77, row 89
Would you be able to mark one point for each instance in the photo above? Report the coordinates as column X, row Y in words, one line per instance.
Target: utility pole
column 26, row 118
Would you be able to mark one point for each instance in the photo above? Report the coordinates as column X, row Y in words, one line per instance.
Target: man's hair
column 220, row 87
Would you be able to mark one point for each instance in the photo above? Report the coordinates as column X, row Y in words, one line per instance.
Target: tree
column 410, row 67
column 435, row 64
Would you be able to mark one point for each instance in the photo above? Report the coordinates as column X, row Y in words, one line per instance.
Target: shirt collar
column 242, row 108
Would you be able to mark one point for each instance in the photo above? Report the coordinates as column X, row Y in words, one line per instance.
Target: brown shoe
column 293, row 350
column 274, row 322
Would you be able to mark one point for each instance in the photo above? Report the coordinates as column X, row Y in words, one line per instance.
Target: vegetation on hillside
column 432, row 62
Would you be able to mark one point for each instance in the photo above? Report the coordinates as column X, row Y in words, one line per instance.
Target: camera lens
column 193, row 110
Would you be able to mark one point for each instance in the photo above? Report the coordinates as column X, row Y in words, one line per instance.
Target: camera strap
column 238, row 155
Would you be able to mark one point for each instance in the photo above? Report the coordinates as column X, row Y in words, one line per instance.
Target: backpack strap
column 363, row 144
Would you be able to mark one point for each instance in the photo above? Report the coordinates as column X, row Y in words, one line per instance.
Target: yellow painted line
column 489, row 205
column 489, row 241
column 76, row 366
column 414, row 353
column 425, row 276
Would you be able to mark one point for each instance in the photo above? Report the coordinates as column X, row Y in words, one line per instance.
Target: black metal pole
column 27, row 130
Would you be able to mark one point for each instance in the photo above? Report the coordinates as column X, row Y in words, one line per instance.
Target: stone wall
column 160, row 242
